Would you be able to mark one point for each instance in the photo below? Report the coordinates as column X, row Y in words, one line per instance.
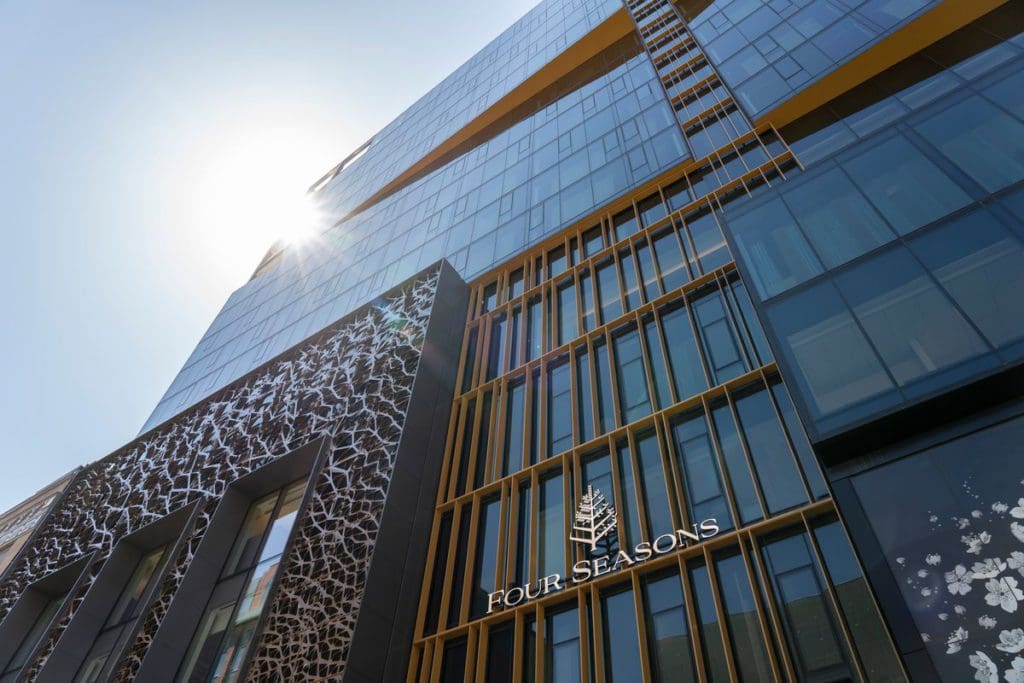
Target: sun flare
column 251, row 195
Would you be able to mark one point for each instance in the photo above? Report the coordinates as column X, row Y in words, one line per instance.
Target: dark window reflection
column 668, row 633
column 621, row 641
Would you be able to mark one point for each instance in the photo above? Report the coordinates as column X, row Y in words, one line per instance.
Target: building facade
column 692, row 352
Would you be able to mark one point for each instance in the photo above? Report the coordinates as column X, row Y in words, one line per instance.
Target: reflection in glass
column 512, row 458
column 773, row 248
column 485, row 572
column 559, row 409
column 585, row 416
column 712, row 649
column 736, row 464
column 808, row 618
column 986, row 142
column 908, row 189
column 687, row 370
column 668, row 632
column 499, row 653
column 551, row 545
column 742, row 619
column 718, row 337
column 877, row 656
column 916, row 330
column 653, row 486
column 602, row 368
column 634, row 401
column 980, row 264
column 835, row 365
column 562, row 647
column 621, row 643
column 839, row 222
column 769, row 452
column 698, row 466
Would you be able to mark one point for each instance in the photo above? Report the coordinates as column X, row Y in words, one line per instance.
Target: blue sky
column 130, row 135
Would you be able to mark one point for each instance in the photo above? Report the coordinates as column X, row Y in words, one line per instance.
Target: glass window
column 668, row 634
column 459, row 574
column 904, row 185
column 122, row 617
column 536, row 440
column 438, row 579
column 556, row 262
column 712, row 649
column 808, row 462
column 742, row 619
column 562, row 647
column 652, row 210
column 495, row 363
column 529, row 648
column 687, row 371
column 836, row 218
column 247, row 543
column 585, row 415
column 718, row 337
column 624, row 224
column 653, row 485
column 453, row 664
column 869, row 634
column 514, row 415
column 228, row 627
column 597, row 472
column 647, row 272
column 621, row 640
column 523, row 535
column 515, row 283
column 835, row 366
column 466, row 447
column 31, row 639
column 670, row 260
column 629, row 280
column 980, row 264
column 486, row 556
column 499, row 653
column 534, row 330
column 807, row 616
column 659, row 371
column 608, row 292
column 470, row 360
column 773, row 248
column 698, row 465
column 736, row 464
column 567, row 330
column 628, row 508
column 551, row 558
column 593, row 241
column 587, row 302
column 634, row 401
column 987, row 143
column 602, row 369
column 559, row 409
column 916, row 330
column 769, row 451
column 746, row 316
column 711, row 250
column 513, row 344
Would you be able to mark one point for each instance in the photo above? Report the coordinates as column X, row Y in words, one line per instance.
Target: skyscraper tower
column 751, row 270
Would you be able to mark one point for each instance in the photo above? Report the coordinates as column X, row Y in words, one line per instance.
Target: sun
column 250, row 194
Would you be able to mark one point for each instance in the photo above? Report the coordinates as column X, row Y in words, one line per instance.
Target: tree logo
column 595, row 519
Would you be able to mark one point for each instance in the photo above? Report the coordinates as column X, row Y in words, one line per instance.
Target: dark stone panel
column 384, row 632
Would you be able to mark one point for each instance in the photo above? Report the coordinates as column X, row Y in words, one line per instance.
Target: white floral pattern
column 991, row 559
column 1011, row 641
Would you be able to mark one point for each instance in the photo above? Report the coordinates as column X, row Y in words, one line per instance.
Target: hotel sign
column 593, row 526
